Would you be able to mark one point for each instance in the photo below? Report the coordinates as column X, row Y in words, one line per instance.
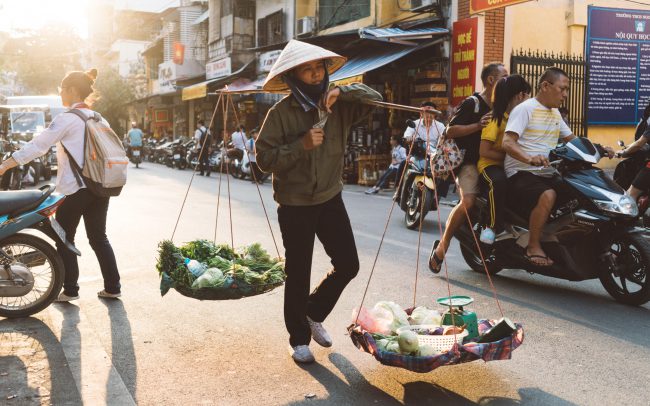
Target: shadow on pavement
column 575, row 306
column 529, row 396
column 122, row 351
column 30, row 355
column 355, row 389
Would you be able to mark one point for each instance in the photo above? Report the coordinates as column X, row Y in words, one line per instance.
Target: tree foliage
column 114, row 94
column 41, row 57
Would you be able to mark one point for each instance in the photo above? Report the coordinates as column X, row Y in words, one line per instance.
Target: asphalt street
column 581, row 347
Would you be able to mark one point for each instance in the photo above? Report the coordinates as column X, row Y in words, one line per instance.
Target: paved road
column 581, row 347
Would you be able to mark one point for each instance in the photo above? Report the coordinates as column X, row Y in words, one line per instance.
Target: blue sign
column 618, row 59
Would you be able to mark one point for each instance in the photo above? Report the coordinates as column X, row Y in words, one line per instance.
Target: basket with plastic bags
column 392, row 335
column 203, row 270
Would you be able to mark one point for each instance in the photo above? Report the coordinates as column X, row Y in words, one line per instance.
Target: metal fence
column 531, row 64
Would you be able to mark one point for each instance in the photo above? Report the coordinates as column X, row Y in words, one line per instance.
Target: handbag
column 446, row 158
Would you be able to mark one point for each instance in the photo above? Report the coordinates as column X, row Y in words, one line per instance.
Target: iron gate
column 531, row 65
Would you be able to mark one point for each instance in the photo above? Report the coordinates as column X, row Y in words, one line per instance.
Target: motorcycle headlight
column 617, row 203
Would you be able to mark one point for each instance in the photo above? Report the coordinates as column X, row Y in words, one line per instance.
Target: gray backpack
column 105, row 161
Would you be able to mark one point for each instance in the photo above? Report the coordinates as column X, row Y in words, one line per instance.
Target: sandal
column 435, row 263
column 531, row 259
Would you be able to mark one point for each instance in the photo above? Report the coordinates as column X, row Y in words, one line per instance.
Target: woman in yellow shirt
column 508, row 93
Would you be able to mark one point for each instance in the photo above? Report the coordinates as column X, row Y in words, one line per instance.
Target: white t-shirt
column 421, row 129
column 198, row 133
column 539, row 129
column 67, row 129
column 239, row 140
column 399, row 155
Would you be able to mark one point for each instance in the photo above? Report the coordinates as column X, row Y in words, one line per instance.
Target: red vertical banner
column 179, row 53
column 463, row 59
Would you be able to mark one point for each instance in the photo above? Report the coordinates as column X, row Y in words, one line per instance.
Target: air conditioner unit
column 305, row 25
column 421, row 5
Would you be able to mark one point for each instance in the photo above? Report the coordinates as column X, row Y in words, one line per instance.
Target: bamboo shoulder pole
column 381, row 104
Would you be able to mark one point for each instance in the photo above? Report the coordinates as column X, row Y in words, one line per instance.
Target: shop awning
column 201, row 18
column 200, row 90
column 400, row 36
column 373, row 58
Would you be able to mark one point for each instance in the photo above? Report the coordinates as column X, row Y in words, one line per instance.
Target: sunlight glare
column 25, row 14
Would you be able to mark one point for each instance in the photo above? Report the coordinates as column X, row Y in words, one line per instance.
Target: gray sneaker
column 319, row 334
column 107, row 295
column 302, row 354
column 65, row 298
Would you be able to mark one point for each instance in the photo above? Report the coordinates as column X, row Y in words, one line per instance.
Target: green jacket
column 306, row 178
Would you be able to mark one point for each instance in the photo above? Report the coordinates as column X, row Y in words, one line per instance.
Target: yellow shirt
column 493, row 133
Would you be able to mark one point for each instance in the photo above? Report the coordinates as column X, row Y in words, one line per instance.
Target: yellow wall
column 305, row 8
column 559, row 26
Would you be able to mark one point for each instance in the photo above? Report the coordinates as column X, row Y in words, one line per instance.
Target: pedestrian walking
column 203, row 143
column 256, row 173
column 67, row 131
column 302, row 142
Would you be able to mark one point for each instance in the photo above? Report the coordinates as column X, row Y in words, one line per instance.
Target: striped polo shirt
column 539, row 129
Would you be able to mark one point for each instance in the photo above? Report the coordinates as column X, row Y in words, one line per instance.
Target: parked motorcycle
column 13, row 178
column 31, row 270
column 590, row 235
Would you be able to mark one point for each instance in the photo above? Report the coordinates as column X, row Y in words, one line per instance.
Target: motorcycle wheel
column 38, row 171
column 413, row 214
column 46, row 266
column 632, row 253
column 474, row 261
column 16, row 179
column 47, row 173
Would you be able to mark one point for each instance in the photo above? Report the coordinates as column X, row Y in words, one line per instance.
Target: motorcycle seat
column 20, row 201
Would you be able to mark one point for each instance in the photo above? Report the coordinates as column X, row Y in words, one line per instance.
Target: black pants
column 299, row 225
column 383, row 180
column 494, row 185
column 93, row 209
column 204, row 161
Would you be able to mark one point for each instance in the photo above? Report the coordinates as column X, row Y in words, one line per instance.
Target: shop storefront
column 403, row 74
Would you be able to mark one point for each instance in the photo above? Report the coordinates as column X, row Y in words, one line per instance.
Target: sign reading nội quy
column 463, row 59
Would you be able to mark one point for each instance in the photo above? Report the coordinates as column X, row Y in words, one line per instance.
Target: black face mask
column 307, row 95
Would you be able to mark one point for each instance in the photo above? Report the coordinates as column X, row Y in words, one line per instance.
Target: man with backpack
column 465, row 128
column 203, row 143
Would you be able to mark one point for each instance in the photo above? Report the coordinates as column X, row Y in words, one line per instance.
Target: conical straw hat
column 294, row 54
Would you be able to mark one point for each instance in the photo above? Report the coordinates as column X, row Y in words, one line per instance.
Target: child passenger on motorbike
column 508, row 93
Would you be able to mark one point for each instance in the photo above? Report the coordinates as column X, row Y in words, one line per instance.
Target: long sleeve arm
column 354, row 94
column 41, row 143
column 273, row 153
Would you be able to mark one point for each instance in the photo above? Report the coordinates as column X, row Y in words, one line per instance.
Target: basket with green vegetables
column 203, row 270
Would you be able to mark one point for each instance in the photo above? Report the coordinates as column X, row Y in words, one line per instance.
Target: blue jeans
column 382, row 182
column 93, row 209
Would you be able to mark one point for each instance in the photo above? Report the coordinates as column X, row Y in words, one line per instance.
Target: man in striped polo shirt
column 532, row 132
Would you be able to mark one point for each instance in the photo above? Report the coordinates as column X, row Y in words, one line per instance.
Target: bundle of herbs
column 201, row 265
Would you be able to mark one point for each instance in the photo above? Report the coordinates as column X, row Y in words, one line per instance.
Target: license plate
column 177, row 156
column 58, row 229
column 136, row 153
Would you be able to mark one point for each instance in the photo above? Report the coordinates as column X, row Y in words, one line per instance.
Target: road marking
column 97, row 380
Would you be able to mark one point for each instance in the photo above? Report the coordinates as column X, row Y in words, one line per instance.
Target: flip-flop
column 435, row 263
column 530, row 260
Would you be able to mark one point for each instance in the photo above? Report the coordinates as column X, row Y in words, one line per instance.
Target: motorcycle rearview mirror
column 621, row 143
column 410, row 123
